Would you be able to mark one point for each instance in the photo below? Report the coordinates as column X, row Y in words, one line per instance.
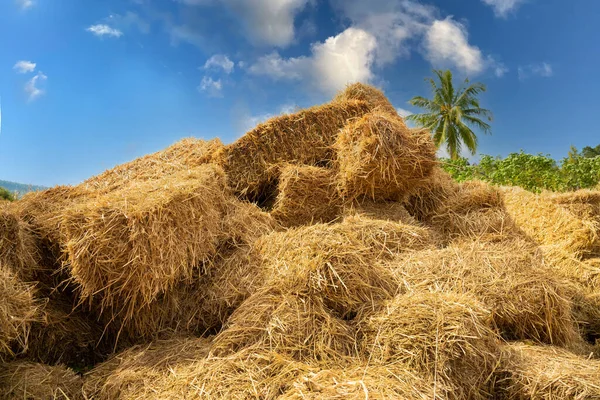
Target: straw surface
column 22, row 380
column 378, row 157
column 367, row 93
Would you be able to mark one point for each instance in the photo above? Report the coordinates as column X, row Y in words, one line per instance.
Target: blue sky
column 86, row 85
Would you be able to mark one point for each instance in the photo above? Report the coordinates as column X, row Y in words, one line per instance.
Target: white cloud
column 25, row 4
column 342, row 59
column 127, row 21
column 503, row 7
column 104, row 30
column 499, row 69
column 268, row 22
column 403, row 113
column 220, row 61
column 447, row 43
column 32, row 86
column 23, row 67
column 211, row 87
column 543, row 70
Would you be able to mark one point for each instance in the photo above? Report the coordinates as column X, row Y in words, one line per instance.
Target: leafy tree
column 6, row 195
column 590, row 152
column 579, row 171
column 452, row 113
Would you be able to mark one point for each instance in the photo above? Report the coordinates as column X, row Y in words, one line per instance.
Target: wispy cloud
column 25, row 4
column 503, row 7
column 32, row 87
column 102, row 30
column 403, row 113
column 213, row 88
column 24, row 67
column 543, row 70
column 220, row 61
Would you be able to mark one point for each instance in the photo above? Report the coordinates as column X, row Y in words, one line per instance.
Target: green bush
column 6, row 195
column 532, row 172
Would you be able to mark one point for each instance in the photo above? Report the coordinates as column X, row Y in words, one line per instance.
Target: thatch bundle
column 18, row 310
column 18, row 248
column 549, row 224
column 129, row 246
column 359, row 382
column 184, row 155
column 367, row 93
column 306, row 195
column 585, row 204
column 546, row 372
column 300, row 138
column 442, row 335
column 22, row 380
column 64, row 335
column 378, row 157
column 527, row 301
column 432, row 196
column 382, row 210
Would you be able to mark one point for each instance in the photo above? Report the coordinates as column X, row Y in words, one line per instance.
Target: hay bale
column 442, row 335
column 430, row 198
column 18, row 310
column 474, row 210
column 378, row 157
column 526, row 298
column 296, row 325
column 382, row 210
column 326, row 261
column 18, row 248
column 385, row 238
column 546, row 372
column 550, row 224
column 180, row 369
column 22, row 380
column 367, row 93
column 131, row 245
column 185, row 154
column 359, row 382
column 306, row 195
column 64, row 335
column 304, row 137
column 584, row 204
column 136, row 371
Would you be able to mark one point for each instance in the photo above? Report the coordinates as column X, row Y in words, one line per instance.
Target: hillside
column 20, row 187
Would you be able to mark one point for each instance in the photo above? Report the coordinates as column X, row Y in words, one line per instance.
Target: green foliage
column 532, row 172
column 591, row 152
column 6, row 195
column 452, row 113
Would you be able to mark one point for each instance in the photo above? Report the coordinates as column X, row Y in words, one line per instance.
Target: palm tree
column 452, row 113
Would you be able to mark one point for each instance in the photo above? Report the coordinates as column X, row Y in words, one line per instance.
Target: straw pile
column 527, row 301
column 18, row 310
column 130, row 245
column 21, row 380
column 536, row 372
column 306, row 195
column 324, row 254
column 380, row 158
column 301, row 138
column 442, row 335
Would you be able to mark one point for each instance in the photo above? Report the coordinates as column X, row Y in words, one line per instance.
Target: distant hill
column 19, row 187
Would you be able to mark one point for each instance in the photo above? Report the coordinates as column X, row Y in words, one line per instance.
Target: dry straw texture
column 18, row 310
column 550, row 224
column 382, row 210
column 527, row 301
column 301, row 138
column 432, row 196
column 22, row 380
column 378, row 157
column 64, row 335
column 18, row 248
column 547, row 373
column 443, row 335
column 184, row 155
column 367, row 93
column 129, row 246
column 306, row 195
